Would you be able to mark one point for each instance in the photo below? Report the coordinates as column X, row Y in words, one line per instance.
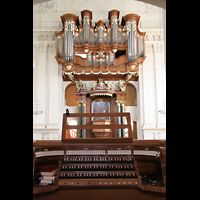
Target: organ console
column 97, row 170
column 131, row 167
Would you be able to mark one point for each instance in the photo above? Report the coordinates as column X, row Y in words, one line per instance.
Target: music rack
column 90, row 126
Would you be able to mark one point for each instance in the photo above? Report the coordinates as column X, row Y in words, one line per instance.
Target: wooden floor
column 100, row 194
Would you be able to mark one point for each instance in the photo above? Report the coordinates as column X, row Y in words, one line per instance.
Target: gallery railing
column 111, row 126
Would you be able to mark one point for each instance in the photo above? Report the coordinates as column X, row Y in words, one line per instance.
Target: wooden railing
column 111, row 126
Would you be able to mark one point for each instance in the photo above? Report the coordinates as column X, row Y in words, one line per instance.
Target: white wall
column 49, row 88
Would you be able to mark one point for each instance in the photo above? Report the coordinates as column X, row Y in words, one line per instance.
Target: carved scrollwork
column 71, row 23
column 114, row 19
column 86, row 19
column 128, row 26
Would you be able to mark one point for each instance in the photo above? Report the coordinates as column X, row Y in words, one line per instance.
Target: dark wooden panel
column 99, row 194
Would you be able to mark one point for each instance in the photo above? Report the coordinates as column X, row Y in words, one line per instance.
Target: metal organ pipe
column 100, row 32
column 114, row 28
column 132, row 51
column 60, row 46
column 134, row 46
column 86, row 29
column 66, row 46
column 69, row 40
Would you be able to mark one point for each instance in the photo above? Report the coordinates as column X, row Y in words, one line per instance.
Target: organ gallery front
column 100, row 61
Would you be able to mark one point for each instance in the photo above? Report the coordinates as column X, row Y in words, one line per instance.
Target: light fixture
column 163, row 109
column 37, row 111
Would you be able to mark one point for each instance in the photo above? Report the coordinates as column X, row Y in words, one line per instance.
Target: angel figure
column 79, row 85
column 108, row 85
column 101, row 85
column 90, row 86
column 94, row 85
column 113, row 86
column 121, row 86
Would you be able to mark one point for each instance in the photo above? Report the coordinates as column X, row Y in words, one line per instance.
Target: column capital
column 84, row 103
column 122, row 103
column 118, row 103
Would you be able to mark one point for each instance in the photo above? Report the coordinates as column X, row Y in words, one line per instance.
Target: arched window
column 131, row 95
column 70, row 95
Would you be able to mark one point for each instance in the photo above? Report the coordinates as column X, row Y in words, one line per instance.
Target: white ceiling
column 159, row 3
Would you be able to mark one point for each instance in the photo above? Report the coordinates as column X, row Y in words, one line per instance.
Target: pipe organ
column 104, row 155
column 107, row 48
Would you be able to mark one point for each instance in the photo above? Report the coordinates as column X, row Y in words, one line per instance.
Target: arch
column 131, row 95
column 70, row 95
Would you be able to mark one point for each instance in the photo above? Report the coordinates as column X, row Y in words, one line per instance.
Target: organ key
column 110, row 170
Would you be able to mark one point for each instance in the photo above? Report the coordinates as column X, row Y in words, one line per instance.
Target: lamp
column 163, row 109
column 36, row 111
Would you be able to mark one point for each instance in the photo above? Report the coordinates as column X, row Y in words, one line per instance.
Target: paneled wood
column 131, row 95
column 113, row 108
column 70, row 95
column 134, row 130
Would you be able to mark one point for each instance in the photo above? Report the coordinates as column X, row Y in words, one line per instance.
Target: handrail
column 111, row 126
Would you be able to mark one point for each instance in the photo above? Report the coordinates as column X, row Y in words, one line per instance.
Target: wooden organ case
column 90, row 166
column 112, row 51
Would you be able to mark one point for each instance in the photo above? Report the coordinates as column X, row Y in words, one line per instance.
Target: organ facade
column 113, row 49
